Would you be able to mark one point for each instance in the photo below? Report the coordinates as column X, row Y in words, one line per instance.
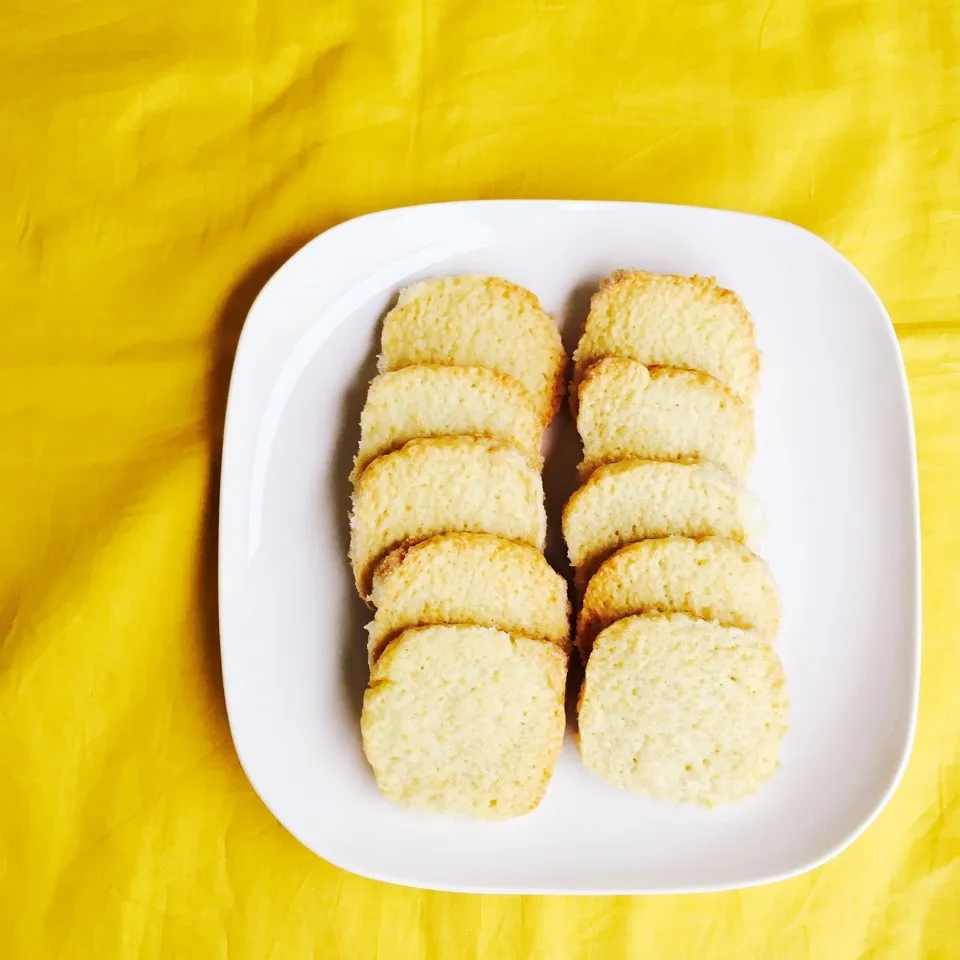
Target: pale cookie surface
column 713, row 579
column 639, row 499
column 478, row 322
column 671, row 321
column 682, row 710
column 443, row 485
column 627, row 410
column 465, row 720
column 437, row 401
column 469, row 578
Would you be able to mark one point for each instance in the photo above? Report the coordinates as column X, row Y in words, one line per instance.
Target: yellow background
column 157, row 162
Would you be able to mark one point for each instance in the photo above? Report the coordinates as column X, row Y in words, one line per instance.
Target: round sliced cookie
column 627, row 410
column 443, row 485
column 683, row 710
column 712, row 579
column 671, row 321
column 465, row 720
column 639, row 499
column 472, row 578
column 439, row 401
column 478, row 321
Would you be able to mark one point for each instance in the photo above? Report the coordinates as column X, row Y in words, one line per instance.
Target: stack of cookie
column 469, row 644
column 684, row 697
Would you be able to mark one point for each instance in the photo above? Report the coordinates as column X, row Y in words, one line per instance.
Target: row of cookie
column 470, row 640
column 684, row 697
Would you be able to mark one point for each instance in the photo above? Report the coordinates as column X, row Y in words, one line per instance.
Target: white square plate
column 835, row 469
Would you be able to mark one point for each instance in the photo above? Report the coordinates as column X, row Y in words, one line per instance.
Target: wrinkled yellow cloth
column 159, row 161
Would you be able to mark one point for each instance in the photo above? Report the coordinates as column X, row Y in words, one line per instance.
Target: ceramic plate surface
column 835, row 470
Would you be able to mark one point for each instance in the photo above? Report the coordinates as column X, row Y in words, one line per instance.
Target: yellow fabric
column 159, row 161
